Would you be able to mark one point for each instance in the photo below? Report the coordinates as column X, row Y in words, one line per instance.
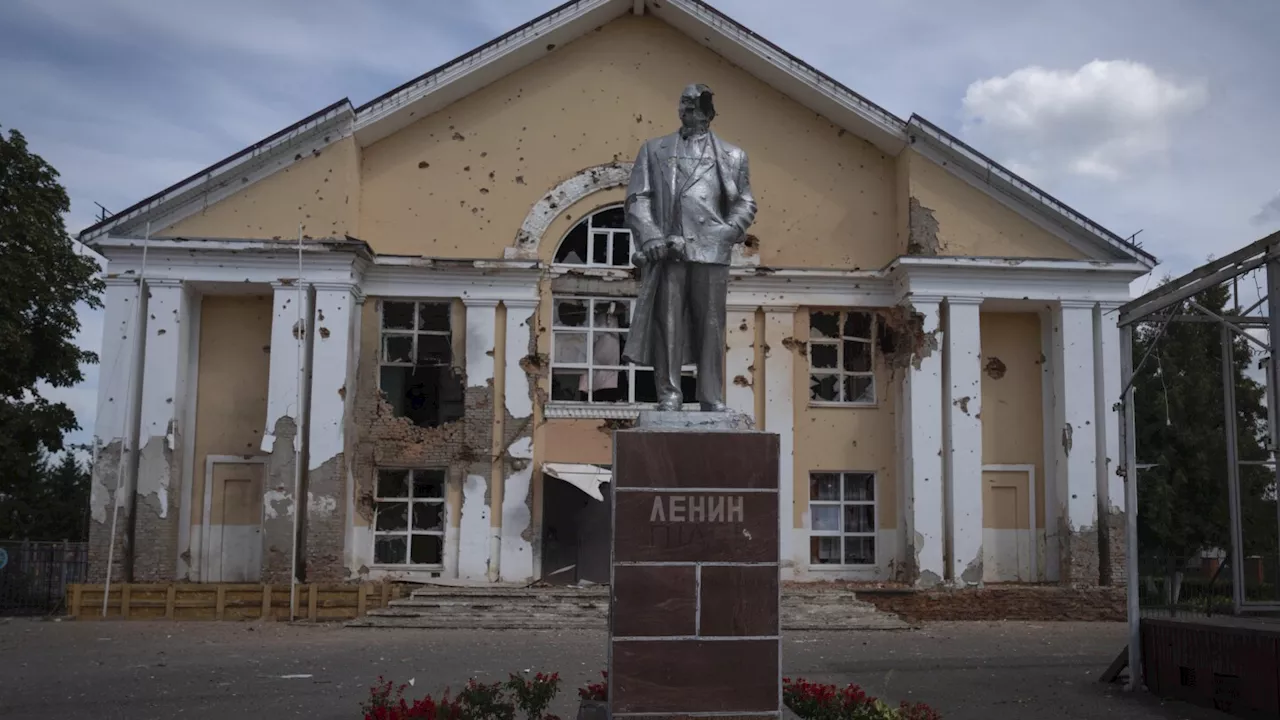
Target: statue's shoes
column 715, row 407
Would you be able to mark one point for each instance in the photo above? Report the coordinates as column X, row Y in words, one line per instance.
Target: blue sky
column 1151, row 115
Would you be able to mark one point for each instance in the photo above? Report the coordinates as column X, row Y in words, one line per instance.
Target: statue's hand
column 656, row 250
column 729, row 234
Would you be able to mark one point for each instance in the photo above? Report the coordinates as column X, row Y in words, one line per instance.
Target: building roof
column 508, row 53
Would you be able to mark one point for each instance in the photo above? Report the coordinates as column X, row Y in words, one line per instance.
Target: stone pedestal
column 694, row 622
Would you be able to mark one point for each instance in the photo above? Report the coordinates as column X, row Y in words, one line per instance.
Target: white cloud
column 1107, row 119
column 1269, row 214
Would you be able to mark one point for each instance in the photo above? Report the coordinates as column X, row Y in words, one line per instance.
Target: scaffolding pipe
column 128, row 411
column 1273, row 376
column 1128, row 444
column 1233, row 467
column 1236, row 328
column 300, row 332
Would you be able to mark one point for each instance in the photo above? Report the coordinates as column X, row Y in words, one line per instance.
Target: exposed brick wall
column 277, row 521
column 1081, row 558
column 382, row 439
column 1022, row 602
column 155, row 515
column 1117, row 551
column 106, row 470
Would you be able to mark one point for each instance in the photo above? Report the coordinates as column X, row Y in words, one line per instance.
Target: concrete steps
column 555, row 608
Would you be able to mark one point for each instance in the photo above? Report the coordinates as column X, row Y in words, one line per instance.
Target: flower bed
column 531, row 696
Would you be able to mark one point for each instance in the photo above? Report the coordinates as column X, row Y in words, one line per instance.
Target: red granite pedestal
column 694, row 622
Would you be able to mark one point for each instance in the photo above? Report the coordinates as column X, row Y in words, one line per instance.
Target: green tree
column 49, row 500
column 1183, row 503
column 44, row 281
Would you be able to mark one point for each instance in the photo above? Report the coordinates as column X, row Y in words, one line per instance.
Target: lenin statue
column 688, row 203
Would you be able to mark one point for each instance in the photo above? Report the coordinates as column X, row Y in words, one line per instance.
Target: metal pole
column 1128, row 443
column 1265, row 347
column 1273, row 376
column 1233, row 467
column 301, row 332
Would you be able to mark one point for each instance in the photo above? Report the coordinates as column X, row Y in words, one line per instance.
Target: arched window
column 588, row 330
column 600, row 239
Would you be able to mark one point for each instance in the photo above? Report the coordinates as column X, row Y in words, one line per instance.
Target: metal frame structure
column 1175, row 302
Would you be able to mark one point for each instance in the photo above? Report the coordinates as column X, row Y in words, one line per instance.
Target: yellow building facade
column 383, row 342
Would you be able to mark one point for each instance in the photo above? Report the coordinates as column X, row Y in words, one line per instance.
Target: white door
column 1008, row 526
column 233, row 505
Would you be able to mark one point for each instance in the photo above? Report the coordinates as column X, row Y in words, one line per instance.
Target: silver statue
column 688, row 203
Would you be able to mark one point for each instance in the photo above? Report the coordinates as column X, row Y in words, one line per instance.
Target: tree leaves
column 1180, row 428
column 44, row 281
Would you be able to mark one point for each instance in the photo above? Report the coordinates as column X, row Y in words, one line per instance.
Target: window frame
column 589, row 262
column 409, row 532
column 874, row 534
column 415, row 333
column 838, row 371
column 591, row 406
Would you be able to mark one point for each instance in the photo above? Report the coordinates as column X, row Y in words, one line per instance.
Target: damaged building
column 384, row 342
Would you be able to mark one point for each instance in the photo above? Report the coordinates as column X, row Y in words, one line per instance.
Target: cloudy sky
column 1147, row 115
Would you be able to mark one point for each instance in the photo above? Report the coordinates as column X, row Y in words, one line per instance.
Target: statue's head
column 696, row 109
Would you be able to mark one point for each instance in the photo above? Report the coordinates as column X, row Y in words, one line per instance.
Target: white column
column 922, row 446
column 330, row 370
column 115, row 422
column 1107, row 369
column 286, row 401
column 289, row 320
column 1076, row 414
column 159, row 438
column 739, row 361
column 963, row 410
column 516, row 559
column 779, row 417
column 326, row 408
column 472, row 537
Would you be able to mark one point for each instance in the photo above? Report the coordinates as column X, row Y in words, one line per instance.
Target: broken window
column 587, row 338
column 417, row 373
column 841, row 368
column 408, row 517
column 842, row 518
column 598, row 240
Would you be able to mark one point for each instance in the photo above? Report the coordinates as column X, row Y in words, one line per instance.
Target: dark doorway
column 575, row 534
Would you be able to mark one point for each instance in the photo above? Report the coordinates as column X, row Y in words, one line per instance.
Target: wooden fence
column 229, row 601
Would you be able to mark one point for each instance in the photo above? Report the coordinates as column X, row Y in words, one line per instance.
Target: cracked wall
column 319, row 189
column 463, row 447
column 102, row 495
column 158, row 486
column 519, row 541
column 941, row 214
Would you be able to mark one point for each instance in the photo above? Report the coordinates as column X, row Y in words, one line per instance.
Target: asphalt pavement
column 140, row 670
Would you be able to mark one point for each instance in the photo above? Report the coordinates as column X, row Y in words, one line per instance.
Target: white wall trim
column 1030, row 470
column 1013, row 279
column 205, row 528
column 471, row 284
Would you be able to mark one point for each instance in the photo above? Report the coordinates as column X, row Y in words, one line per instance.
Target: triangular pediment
column 552, row 32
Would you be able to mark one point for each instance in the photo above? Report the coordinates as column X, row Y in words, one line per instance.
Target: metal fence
column 34, row 575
